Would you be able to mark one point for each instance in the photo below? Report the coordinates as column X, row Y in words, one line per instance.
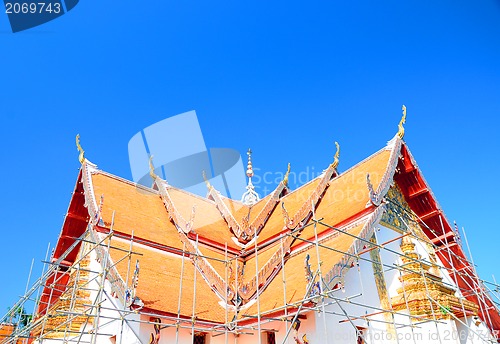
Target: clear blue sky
column 286, row 78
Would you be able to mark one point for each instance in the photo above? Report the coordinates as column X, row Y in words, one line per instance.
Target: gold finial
column 401, row 131
column 337, row 155
column 406, row 240
column 206, row 179
column 249, row 165
column 250, row 197
column 81, row 156
column 285, row 179
column 152, row 168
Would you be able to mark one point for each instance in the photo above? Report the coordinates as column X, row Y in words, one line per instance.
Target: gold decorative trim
column 201, row 263
column 205, row 179
column 399, row 216
column 423, row 292
column 81, row 156
column 74, row 299
column 285, row 179
column 381, row 284
column 335, row 163
column 401, row 131
column 152, row 168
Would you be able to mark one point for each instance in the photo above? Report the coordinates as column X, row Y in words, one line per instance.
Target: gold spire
column 81, row 156
column 406, row 241
column 206, row 179
column 285, row 179
column 401, row 131
column 152, row 168
column 249, row 165
column 337, row 155
column 250, row 197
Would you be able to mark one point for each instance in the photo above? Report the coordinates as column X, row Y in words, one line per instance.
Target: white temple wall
column 109, row 323
column 381, row 328
column 439, row 332
column 109, row 317
column 445, row 273
column 390, row 255
column 169, row 335
column 216, row 338
column 472, row 331
column 307, row 326
column 360, row 289
column 386, row 328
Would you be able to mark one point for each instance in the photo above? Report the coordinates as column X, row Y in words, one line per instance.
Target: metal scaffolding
column 80, row 315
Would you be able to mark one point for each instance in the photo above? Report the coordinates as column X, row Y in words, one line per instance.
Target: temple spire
column 335, row 163
column 285, row 179
column 205, row 179
column 249, row 165
column 250, row 197
column 81, row 156
column 401, row 129
column 152, row 169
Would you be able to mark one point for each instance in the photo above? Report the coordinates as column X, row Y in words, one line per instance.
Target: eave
column 439, row 230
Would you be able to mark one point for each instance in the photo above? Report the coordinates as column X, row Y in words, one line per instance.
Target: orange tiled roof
column 6, row 330
column 159, row 282
column 296, row 284
column 6, row 333
column 137, row 211
column 144, row 213
column 347, row 195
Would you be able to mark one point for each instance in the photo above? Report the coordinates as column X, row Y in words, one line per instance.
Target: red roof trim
column 438, row 229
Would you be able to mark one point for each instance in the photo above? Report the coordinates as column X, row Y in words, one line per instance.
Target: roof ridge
column 339, row 174
column 189, row 193
column 149, row 189
column 125, row 181
column 380, row 151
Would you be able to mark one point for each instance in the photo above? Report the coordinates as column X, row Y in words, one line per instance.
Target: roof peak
column 250, row 197
column 81, row 156
column 401, row 129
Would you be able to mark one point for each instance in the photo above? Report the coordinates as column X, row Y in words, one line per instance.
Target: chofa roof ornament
column 152, row 169
column 81, row 156
column 335, row 163
column 250, row 197
column 287, row 174
column 375, row 198
column 401, row 131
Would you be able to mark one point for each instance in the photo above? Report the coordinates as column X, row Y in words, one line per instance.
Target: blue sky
column 287, row 78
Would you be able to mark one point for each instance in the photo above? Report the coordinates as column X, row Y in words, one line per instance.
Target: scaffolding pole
column 95, row 310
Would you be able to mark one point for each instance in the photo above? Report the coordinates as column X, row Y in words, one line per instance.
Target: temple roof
column 176, row 233
column 161, row 220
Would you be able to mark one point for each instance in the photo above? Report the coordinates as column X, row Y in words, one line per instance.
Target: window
column 199, row 338
column 271, row 338
column 361, row 334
